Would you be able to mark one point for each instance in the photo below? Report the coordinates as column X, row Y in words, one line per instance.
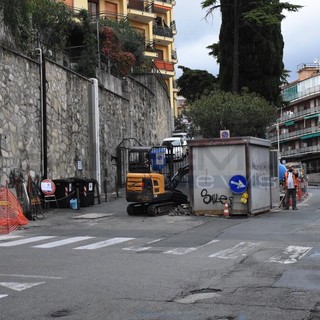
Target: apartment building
column 297, row 132
column 152, row 18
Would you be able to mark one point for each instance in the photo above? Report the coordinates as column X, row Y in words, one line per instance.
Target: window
column 160, row 54
column 136, row 4
column 93, row 7
column 111, row 10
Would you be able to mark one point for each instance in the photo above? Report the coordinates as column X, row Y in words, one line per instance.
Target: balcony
column 173, row 27
column 162, row 6
column 174, row 56
column 166, row 68
column 297, row 134
column 294, row 92
column 300, row 151
column 162, row 35
column 290, row 115
column 140, row 11
column 150, row 50
column 109, row 16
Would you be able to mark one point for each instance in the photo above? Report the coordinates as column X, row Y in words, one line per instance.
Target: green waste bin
column 86, row 188
column 64, row 193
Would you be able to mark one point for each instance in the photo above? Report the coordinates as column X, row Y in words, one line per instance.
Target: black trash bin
column 86, row 189
column 64, row 192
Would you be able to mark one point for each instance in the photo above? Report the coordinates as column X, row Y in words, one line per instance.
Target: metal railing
column 140, row 5
column 163, row 31
column 168, row 1
column 174, row 55
column 294, row 115
column 291, row 96
column 300, row 151
column 151, row 68
column 297, row 133
column 150, row 46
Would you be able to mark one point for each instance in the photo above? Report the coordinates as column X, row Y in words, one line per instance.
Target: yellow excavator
column 147, row 187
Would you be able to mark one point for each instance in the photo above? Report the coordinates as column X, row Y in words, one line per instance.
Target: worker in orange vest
column 290, row 184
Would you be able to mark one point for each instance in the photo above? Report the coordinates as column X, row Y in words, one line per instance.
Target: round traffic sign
column 238, row 184
column 48, row 187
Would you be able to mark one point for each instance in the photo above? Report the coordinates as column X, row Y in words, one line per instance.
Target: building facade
column 297, row 132
column 153, row 19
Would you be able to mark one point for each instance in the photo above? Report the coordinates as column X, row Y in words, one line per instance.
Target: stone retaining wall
column 128, row 108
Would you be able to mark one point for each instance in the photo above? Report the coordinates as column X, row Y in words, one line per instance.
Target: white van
column 179, row 149
column 184, row 136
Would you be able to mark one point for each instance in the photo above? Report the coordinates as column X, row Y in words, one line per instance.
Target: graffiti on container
column 215, row 198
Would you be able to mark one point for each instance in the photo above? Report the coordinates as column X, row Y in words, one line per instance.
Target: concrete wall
column 128, row 108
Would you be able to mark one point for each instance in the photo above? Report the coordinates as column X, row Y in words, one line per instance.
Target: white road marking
column 102, row 244
column 3, row 295
column 62, row 242
column 23, row 241
column 291, row 255
column 140, row 249
column 181, row 251
column 8, row 237
column 137, row 249
column 241, row 249
column 29, row 276
column 19, row 286
column 154, row 241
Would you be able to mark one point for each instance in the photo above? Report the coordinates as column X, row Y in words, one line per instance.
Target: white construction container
column 235, row 171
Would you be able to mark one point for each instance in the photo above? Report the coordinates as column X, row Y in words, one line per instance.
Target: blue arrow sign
column 238, row 184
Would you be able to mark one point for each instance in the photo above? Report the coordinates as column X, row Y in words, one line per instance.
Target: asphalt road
column 99, row 263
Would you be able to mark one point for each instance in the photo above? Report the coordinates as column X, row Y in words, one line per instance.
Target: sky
column 300, row 31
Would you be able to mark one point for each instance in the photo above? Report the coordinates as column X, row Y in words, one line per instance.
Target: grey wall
column 128, row 108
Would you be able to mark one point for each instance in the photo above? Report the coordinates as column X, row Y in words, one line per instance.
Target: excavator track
column 159, row 209
column 150, row 209
column 137, row 209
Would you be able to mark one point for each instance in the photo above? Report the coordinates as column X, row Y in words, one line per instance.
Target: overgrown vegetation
column 37, row 22
column 51, row 25
column 123, row 45
column 250, row 54
column 195, row 83
column 250, row 48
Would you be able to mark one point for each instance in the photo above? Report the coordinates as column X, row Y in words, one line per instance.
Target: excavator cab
column 139, row 159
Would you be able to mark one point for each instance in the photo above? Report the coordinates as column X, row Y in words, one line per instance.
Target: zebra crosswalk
column 219, row 249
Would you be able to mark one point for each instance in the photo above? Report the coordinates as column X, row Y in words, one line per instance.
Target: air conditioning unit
column 224, row 134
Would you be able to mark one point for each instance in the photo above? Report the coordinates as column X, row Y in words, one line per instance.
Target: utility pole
column 43, row 112
column 44, row 117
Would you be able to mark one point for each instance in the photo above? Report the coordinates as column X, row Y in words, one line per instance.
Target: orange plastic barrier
column 299, row 192
column 11, row 213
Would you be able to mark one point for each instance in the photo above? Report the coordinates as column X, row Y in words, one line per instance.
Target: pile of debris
column 181, row 210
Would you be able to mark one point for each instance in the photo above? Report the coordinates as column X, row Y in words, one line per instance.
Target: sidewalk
column 114, row 206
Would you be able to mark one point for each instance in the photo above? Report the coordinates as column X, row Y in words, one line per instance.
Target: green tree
column 128, row 38
column 195, row 83
column 113, row 49
column 252, row 56
column 35, row 22
column 85, row 34
column 244, row 114
column 16, row 15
